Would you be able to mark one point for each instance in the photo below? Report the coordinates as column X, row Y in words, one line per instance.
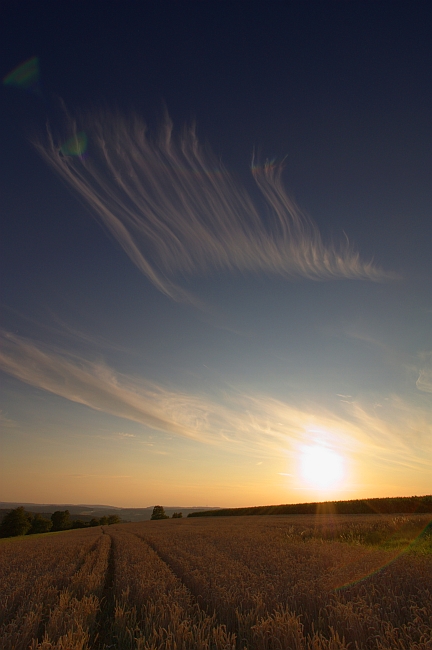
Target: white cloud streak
column 424, row 381
column 7, row 423
column 101, row 476
column 92, row 384
column 259, row 426
column 174, row 209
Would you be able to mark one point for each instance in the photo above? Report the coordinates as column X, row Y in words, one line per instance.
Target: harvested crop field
column 254, row 583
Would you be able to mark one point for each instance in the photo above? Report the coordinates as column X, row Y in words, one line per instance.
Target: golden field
column 235, row 583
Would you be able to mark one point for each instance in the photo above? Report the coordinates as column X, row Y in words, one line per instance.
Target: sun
column 321, row 467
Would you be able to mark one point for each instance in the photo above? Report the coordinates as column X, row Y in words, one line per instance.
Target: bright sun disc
column 321, row 467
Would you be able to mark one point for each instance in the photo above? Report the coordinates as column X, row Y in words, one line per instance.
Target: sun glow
column 321, row 467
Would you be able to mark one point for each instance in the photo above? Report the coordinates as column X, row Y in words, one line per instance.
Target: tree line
column 382, row 506
column 20, row 522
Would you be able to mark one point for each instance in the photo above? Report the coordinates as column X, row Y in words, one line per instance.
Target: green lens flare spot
column 25, row 76
column 75, row 146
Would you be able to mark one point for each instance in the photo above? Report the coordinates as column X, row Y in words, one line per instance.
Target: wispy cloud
column 396, row 429
column 175, row 210
column 396, row 433
column 104, row 476
column 116, row 437
column 92, row 384
column 424, row 381
column 6, row 422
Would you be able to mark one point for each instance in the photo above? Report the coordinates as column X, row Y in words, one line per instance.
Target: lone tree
column 159, row 513
column 177, row 515
column 61, row 520
column 16, row 522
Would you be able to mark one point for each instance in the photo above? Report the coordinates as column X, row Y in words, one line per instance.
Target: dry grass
column 49, row 590
column 153, row 608
column 255, row 583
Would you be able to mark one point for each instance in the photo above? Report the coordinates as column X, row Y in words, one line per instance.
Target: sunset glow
column 216, row 271
column 321, row 467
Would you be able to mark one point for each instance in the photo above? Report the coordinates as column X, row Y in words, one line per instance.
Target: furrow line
column 230, row 623
column 196, row 598
column 103, row 637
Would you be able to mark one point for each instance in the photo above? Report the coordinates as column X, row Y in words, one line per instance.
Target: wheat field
column 238, row 583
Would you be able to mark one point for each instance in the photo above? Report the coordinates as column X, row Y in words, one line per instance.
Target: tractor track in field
column 196, row 597
column 47, row 609
column 188, row 584
column 180, row 575
column 103, row 639
column 169, row 564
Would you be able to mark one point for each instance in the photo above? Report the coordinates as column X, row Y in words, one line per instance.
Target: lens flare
column 75, row 146
column 25, row 76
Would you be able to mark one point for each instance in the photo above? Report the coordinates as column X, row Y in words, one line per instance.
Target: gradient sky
column 221, row 293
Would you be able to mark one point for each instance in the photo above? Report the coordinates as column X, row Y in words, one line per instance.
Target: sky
column 215, row 252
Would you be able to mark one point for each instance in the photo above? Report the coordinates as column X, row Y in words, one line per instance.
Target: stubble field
column 238, row 583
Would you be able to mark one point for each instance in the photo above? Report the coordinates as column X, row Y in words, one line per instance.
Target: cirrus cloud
column 424, row 381
column 395, row 433
column 175, row 210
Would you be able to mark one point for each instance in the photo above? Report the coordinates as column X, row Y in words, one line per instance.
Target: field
column 255, row 583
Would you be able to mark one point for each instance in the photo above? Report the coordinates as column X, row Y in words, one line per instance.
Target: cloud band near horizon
column 252, row 424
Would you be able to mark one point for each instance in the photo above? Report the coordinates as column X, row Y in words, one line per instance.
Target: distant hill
column 87, row 512
column 391, row 505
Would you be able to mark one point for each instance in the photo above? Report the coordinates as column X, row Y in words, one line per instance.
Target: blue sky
column 220, row 294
